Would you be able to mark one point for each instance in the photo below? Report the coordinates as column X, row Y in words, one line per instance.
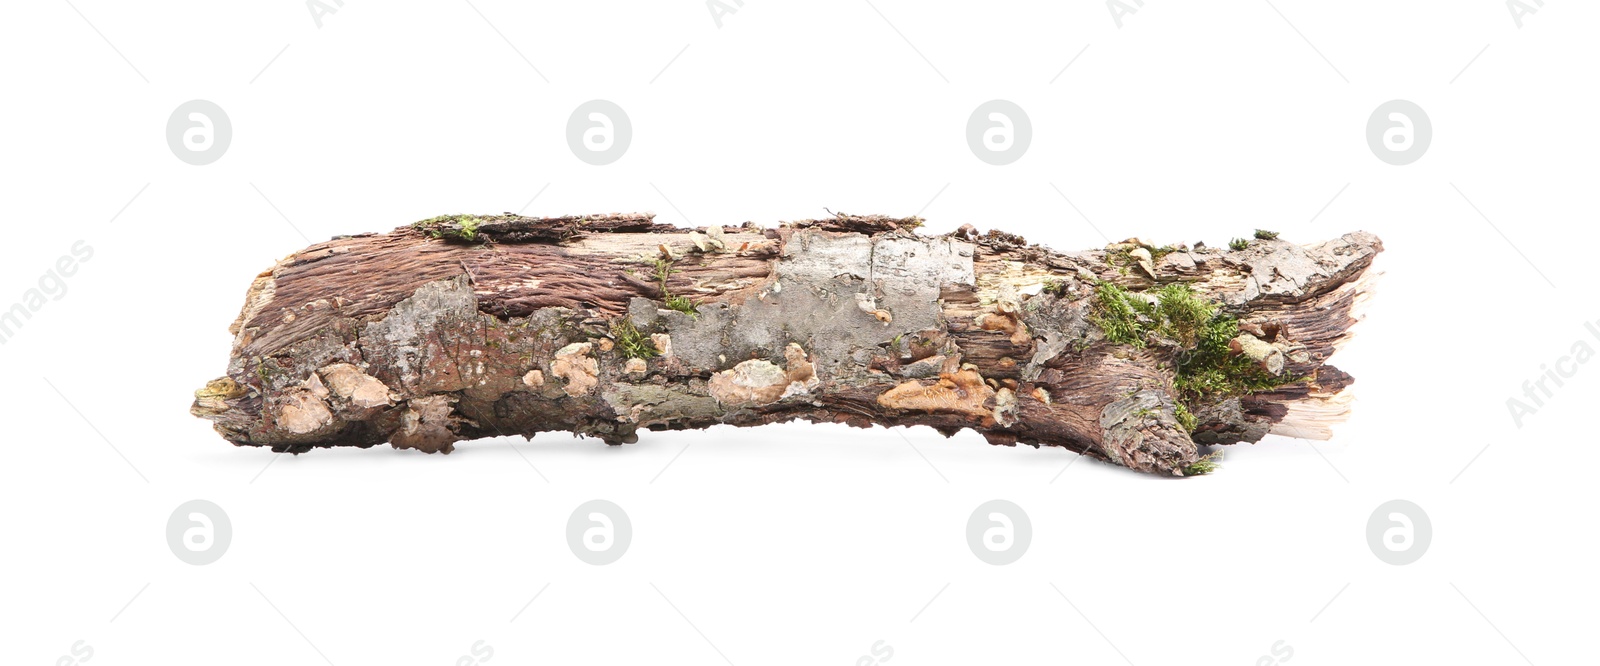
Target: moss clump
column 1055, row 287
column 1212, row 369
column 1181, row 313
column 1123, row 317
column 684, row 305
column 1204, row 465
column 632, row 342
column 469, row 227
column 1263, row 234
column 1122, row 258
column 1206, row 366
column 424, row 224
column 1177, row 313
column 455, row 227
column 1186, row 419
column 664, row 270
column 1238, row 244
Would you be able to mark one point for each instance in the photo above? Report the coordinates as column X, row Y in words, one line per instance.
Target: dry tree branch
column 461, row 327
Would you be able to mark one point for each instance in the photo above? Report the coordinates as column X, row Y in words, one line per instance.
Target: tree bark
column 465, row 327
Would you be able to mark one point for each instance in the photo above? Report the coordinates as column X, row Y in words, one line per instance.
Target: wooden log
column 462, row 327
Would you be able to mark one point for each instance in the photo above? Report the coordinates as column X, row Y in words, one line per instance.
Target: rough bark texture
column 464, row 327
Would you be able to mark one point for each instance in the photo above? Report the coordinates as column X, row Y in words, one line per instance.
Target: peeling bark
column 465, row 327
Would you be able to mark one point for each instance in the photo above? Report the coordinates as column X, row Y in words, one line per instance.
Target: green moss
column 1056, row 287
column 1206, row 368
column 684, row 305
column 664, row 270
column 1123, row 258
column 1205, row 465
column 1178, row 313
column 1263, row 234
column 1186, row 419
column 1122, row 316
column 1181, row 313
column 469, row 227
column 632, row 342
column 432, row 221
column 456, row 227
column 1211, row 369
column 1238, row 244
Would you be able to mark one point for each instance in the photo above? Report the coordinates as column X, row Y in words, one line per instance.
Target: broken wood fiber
column 463, row 327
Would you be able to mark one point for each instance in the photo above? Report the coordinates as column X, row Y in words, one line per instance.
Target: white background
column 800, row 544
